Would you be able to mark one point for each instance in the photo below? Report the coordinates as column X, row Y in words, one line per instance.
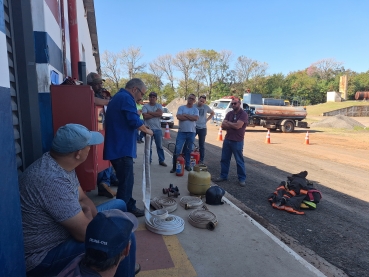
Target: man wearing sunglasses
column 187, row 116
column 121, row 124
column 235, row 123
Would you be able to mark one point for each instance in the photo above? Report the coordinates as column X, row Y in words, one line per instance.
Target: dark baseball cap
column 73, row 137
column 153, row 94
column 110, row 231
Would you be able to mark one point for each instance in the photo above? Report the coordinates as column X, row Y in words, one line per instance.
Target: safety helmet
column 214, row 195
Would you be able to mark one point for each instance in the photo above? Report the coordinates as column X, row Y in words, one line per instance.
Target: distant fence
column 354, row 111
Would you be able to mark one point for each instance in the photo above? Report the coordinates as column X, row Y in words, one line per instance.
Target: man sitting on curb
column 107, row 243
column 55, row 210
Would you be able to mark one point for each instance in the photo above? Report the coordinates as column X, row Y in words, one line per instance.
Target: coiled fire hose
column 165, row 203
column 190, row 202
column 203, row 218
column 159, row 221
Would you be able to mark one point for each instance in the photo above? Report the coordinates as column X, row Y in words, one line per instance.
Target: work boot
column 105, row 190
column 138, row 212
column 137, row 268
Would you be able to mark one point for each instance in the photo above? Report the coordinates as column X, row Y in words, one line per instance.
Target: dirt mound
column 339, row 122
column 174, row 105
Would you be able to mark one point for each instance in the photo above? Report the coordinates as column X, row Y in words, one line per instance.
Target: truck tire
column 288, row 127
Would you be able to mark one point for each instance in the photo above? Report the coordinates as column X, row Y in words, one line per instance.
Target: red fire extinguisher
column 195, row 156
column 180, row 165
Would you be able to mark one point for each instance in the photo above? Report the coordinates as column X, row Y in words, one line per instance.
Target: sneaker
column 163, row 164
column 105, row 190
column 138, row 212
column 172, row 170
column 219, row 179
column 242, row 183
column 137, row 268
column 188, row 168
column 201, row 162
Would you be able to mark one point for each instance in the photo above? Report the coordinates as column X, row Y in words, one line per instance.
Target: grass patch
column 319, row 109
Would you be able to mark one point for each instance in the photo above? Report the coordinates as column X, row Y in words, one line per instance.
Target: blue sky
column 289, row 35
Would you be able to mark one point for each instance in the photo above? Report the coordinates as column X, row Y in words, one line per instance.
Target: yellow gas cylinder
column 199, row 180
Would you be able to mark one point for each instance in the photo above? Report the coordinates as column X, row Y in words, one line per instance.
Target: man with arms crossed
column 235, row 123
column 152, row 113
column 55, row 210
column 187, row 116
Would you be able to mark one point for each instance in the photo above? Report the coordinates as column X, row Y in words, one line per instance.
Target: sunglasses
column 140, row 91
column 234, row 103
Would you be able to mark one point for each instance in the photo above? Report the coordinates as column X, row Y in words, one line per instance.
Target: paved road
column 337, row 231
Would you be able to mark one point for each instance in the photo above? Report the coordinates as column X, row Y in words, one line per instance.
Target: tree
column 157, row 72
column 130, row 59
column 325, row 69
column 165, row 63
column 185, row 62
column 168, row 94
column 110, row 67
column 247, row 69
column 224, row 74
column 208, row 67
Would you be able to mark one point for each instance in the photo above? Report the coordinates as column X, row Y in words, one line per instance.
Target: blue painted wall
column 47, row 132
column 11, row 242
column 47, row 51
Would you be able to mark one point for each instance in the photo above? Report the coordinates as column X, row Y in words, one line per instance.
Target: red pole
column 73, row 37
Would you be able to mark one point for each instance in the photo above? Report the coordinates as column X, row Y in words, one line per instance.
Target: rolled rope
column 203, row 218
column 190, row 202
column 165, row 203
column 158, row 221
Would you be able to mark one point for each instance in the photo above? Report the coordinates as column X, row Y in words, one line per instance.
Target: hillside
column 317, row 110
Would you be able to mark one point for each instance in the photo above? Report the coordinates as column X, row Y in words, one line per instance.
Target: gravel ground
column 336, row 234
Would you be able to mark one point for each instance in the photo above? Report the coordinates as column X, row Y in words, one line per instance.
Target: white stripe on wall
column 4, row 66
column 38, row 19
column 51, row 26
column 43, row 76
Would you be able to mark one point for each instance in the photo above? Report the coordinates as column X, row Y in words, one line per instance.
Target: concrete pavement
column 239, row 246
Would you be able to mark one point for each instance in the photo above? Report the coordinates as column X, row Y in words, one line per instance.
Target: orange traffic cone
column 307, row 138
column 267, row 139
column 167, row 134
column 220, row 137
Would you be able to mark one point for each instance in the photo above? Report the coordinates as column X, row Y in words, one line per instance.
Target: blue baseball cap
column 74, row 137
column 110, row 231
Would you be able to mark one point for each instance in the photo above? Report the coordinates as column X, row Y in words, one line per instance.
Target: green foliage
column 167, row 94
column 209, row 72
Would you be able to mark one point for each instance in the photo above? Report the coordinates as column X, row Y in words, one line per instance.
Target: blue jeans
column 235, row 147
column 124, row 170
column 158, row 137
column 60, row 256
column 140, row 135
column 106, row 176
column 201, row 133
column 184, row 138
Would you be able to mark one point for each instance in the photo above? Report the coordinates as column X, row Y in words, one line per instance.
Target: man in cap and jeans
column 55, row 210
column 107, row 244
column 152, row 113
column 107, row 177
